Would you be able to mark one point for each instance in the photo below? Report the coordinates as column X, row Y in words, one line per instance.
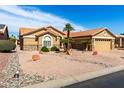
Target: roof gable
column 105, row 32
column 28, row 31
column 48, row 32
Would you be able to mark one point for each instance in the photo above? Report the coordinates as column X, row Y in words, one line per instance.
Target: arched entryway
column 47, row 41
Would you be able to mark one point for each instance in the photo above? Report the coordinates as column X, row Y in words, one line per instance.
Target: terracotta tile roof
column 86, row 33
column 25, row 30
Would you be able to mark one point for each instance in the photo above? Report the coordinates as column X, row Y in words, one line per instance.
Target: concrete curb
column 75, row 79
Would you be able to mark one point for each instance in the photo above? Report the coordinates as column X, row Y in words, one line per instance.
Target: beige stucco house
column 100, row 39
column 34, row 39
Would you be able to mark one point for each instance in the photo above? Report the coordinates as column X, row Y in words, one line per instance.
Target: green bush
column 44, row 49
column 7, row 46
column 53, row 48
column 57, row 50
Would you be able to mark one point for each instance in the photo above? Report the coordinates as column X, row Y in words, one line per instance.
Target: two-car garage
column 99, row 45
column 103, row 44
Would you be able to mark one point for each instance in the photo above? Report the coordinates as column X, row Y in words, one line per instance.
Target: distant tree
column 121, row 33
column 12, row 38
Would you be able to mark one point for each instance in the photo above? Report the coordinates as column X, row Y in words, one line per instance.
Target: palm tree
column 68, row 28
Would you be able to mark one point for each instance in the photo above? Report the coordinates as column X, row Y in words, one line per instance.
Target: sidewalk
column 75, row 79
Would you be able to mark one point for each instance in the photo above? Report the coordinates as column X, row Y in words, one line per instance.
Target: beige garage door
column 103, row 45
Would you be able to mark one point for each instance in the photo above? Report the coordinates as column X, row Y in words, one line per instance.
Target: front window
column 47, row 41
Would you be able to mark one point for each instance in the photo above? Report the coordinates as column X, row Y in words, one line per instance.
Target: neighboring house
column 100, row 39
column 4, row 35
column 34, row 39
column 119, row 42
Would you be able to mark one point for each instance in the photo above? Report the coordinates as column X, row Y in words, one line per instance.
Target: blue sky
column 81, row 17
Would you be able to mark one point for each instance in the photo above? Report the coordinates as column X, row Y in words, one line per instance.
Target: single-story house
column 100, row 39
column 34, row 39
column 119, row 41
column 4, row 35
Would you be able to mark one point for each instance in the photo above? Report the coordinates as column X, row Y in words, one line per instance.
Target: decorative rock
column 35, row 57
column 95, row 52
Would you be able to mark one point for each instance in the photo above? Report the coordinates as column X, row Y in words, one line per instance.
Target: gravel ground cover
column 10, row 81
column 3, row 61
column 61, row 65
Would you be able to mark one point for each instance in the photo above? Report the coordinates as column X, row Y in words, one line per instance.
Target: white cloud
column 17, row 16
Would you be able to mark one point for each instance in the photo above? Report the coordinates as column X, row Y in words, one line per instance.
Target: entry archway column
column 120, row 42
column 113, row 43
column 93, row 44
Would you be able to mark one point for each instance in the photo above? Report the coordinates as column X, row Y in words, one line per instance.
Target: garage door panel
column 102, row 45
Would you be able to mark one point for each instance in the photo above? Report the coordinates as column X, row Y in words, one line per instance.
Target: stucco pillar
column 120, row 42
column 113, row 43
column 93, row 44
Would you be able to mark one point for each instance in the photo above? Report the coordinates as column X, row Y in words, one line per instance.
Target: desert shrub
column 44, row 49
column 7, row 46
column 53, row 48
column 12, row 38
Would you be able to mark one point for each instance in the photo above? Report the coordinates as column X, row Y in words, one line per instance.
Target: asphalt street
column 114, row 80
